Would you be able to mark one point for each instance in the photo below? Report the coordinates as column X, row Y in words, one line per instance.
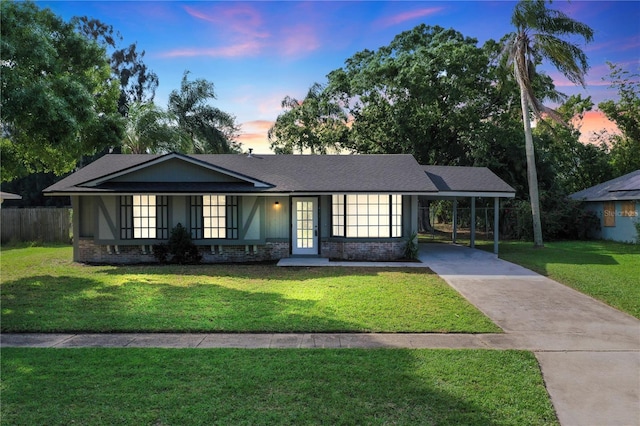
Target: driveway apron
column 589, row 353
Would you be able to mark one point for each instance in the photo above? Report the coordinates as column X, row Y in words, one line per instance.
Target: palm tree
column 150, row 130
column 537, row 37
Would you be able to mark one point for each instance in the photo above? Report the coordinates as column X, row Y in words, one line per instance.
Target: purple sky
column 256, row 53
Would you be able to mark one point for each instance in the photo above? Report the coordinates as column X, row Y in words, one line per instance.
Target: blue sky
column 256, row 53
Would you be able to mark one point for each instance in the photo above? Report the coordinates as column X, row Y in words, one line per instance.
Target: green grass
column 43, row 291
column 605, row 270
column 233, row 387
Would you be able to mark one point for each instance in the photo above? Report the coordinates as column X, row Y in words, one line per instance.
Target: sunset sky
column 256, row 53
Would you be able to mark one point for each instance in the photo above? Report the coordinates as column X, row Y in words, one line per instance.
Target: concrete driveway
column 589, row 353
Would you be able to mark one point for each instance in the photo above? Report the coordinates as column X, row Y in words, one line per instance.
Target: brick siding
column 363, row 250
column 90, row 252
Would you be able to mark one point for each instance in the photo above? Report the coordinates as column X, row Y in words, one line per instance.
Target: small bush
column 180, row 247
column 161, row 252
column 411, row 248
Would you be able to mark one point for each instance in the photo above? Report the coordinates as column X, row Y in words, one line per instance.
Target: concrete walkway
column 589, row 353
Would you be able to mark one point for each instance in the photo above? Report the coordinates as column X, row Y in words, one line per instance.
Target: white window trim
column 366, row 216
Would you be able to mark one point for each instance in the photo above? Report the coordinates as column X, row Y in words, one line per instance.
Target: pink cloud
column 592, row 123
column 250, row 48
column 241, row 20
column 406, row 16
column 630, row 43
column 254, row 135
column 242, row 26
column 298, row 39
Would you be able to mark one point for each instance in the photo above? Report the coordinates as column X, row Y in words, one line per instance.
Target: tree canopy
column 57, row 99
column 315, row 124
column 624, row 148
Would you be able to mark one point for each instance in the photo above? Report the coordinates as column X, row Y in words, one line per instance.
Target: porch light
column 277, row 203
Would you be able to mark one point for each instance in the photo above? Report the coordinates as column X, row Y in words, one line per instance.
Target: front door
column 305, row 226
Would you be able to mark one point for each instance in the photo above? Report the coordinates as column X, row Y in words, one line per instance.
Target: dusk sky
column 256, row 53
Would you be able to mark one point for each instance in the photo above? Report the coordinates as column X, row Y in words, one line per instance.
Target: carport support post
column 473, row 222
column 496, row 223
column 454, row 233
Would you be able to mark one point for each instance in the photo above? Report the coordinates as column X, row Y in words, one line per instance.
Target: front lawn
column 42, row 290
column 605, row 270
column 234, row 386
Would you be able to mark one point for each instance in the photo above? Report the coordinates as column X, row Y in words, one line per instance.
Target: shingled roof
column 625, row 187
column 283, row 174
column 258, row 174
column 467, row 180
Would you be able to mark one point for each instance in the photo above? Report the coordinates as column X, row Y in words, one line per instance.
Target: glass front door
column 305, row 226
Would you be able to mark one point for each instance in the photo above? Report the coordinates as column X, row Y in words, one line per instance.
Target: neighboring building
column 252, row 207
column 9, row 196
column 617, row 204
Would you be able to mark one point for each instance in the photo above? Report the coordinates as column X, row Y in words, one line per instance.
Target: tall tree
column 538, row 36
column 315, row 124
column 209, row 129
column 138, row 83
column 57, row 100
column 624, row 148
column 150, row 130
column 426, row 93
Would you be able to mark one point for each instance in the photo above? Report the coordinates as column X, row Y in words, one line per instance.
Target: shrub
column 180, row 247
column 562, row 219
column 161, row 252
column 411, row 247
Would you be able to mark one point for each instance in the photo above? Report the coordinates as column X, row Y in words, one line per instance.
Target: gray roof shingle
column 625, row 187
column 285, row 174
column 282, row 173
column 466, row 179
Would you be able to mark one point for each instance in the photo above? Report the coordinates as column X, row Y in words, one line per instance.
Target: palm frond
column 556, row 22
column 568, row 58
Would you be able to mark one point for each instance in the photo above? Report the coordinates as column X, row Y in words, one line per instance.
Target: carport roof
column 467, row 181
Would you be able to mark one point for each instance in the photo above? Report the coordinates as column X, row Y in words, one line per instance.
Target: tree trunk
column 532, row 174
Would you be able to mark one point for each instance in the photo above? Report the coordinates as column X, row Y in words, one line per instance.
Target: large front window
column 367, row 215
column 214, row 217
column 144, row 217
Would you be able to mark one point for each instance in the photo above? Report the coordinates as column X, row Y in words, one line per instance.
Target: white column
column 473, row 222
column 454, row 233
column 496, row 223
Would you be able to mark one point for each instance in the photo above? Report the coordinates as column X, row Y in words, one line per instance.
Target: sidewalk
column 589, row 353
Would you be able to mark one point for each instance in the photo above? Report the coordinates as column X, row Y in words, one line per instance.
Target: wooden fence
column 48, row 225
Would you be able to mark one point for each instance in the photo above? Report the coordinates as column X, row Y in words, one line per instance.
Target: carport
column 455, row 182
